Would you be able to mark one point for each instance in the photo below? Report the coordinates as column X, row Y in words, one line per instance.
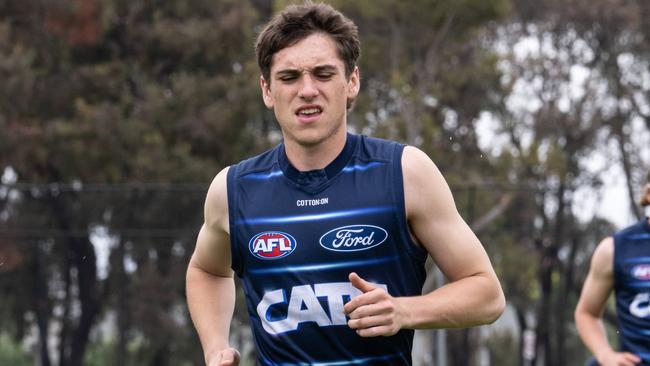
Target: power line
column 106, row 187
column 79, row 233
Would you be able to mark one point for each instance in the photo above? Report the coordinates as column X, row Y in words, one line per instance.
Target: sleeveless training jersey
column 632, row 286
column 295, row 237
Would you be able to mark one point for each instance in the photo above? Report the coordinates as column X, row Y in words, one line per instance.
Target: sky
column 611, row 201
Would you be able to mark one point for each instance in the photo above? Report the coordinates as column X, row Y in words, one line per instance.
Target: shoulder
column 261, row 162
column 602, row 259
column 425, row 189
column 638, row 227
column 374, row 148
column 216, row 202
column 415, row 159
column 419, row 169
column 218, row 186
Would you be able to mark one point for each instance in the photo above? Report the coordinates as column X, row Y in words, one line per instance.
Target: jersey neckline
column 317, row 178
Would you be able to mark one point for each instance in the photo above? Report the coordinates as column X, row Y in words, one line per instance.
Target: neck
column 316, row 156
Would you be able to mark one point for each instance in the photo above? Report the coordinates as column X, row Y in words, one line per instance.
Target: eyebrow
column 330, row 68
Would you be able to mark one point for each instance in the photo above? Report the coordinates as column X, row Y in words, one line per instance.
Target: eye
column 324, row 75
column 287, row 78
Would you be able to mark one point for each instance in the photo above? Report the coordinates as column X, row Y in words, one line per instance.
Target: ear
column 354, row 83
column 266, row 93
column 645, row 196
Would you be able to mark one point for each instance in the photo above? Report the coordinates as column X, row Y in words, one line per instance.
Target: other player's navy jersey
column 632, row 285
column 296, row 236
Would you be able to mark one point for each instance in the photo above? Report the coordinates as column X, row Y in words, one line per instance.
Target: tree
column 118, row 92
column 565, row 102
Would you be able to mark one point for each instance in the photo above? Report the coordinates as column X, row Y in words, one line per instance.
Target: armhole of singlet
column 235, row 254
column 412, row 248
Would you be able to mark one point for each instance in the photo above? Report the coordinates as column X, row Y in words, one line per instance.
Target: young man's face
column 308, row 90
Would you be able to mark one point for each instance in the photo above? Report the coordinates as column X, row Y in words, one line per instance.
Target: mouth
column 309, row 112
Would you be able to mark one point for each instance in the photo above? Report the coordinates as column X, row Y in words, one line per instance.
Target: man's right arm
column 209, row 280
column 589, row 311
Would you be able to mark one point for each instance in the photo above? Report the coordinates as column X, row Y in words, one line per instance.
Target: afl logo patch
column 272, row 245
column 641, row 272
column 353, row 238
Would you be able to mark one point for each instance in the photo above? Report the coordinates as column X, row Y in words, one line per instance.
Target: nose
column 308, row 87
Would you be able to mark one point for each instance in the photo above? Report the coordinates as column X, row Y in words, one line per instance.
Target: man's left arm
column 473, row 295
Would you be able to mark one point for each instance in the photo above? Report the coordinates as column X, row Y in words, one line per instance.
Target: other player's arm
column 589, row 311
column 473, row 295
column 209, row 280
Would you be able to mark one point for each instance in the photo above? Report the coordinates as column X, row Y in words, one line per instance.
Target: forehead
column 314, row 50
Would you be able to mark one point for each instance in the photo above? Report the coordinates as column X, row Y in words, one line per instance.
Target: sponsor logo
column 280, row 315
column 641, row 271
column 640, row 306
column 272, row 245
column 353, row 238
column 315, row 202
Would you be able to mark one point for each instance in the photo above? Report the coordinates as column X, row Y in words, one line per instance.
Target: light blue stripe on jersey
column 637, row 333
column 637, row 260
column 263, row 176
column 347, row 169
column 639, row 284
column 314, row 217
column 323, row 266
column 361, row 167
column 640, row 236
column 358, row 361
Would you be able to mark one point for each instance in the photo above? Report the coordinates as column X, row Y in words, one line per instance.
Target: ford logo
column 353, row 238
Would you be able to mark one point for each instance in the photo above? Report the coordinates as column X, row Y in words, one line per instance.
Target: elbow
column 580, row 315
column 495, row 306
column 583, row 319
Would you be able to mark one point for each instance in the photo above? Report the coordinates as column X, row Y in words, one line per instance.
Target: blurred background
column 115, row 115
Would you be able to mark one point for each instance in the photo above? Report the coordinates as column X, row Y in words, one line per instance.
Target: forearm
column 211, row 302
column 471, row 301
column 592, row 332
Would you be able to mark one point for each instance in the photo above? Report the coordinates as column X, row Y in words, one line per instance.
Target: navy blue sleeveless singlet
column 295, row 237
column 632, row 286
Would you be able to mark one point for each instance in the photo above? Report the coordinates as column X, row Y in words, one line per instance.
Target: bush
column 12, row 353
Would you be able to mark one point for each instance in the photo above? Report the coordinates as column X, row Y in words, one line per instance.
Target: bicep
column 600, row 280
column 435, row 222
column 212, row 251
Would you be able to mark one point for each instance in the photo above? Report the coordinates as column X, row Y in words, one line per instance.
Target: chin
column 309, row 138
column 313, row 134
column 309, row 141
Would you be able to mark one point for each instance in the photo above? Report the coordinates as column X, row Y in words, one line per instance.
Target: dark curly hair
column 297, row 22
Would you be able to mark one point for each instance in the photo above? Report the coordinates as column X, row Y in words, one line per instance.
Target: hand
column 226, row 357
column 618, row 359
column 375, row 312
